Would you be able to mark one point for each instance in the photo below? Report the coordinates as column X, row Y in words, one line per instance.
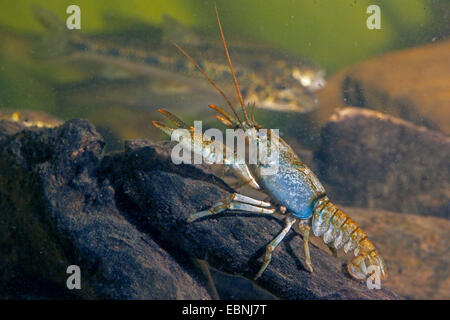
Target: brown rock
column 415, row 248
column 369, row 159
column 122, row 219
column 413, row 84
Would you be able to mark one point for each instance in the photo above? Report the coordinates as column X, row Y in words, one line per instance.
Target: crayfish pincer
column 292, row 188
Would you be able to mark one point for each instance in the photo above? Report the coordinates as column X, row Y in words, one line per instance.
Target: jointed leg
column 235, row 201
column 274, row 243
column 305, row 232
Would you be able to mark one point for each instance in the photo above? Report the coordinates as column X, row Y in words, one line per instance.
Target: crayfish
column 293, row 189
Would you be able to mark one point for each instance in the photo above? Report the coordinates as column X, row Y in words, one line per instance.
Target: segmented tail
column 339, row 231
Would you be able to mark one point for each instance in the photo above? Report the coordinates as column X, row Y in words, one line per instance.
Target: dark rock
column 411, row 84
column 236, row 287
column 55, row 213
column 369, row 159
column 160, row 198
column 415, row 249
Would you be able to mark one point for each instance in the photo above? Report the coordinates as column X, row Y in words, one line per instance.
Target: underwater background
column 332, row 35
column 367, row 109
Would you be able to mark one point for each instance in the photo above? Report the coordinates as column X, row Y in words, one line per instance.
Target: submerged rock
column 411, row 84
column 55, row 213
column 123, row 220
column 160, row 198
column 370, row 159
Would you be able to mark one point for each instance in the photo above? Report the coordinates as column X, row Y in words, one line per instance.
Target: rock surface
column 55, row 213
column 122, row 219
column 160, row 200
column 415, row 248
column 369, row 159
column 412, row 84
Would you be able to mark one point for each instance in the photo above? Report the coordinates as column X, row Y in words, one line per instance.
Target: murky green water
column 39, row 72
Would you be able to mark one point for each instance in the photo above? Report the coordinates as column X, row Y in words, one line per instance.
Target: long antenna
column 208, row 78
column 231, row 68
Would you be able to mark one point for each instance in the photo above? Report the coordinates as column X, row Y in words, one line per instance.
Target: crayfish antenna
column 225, row 114
column 167, row 130
column 225, row 121
column 174, row 119
column 238, row 91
